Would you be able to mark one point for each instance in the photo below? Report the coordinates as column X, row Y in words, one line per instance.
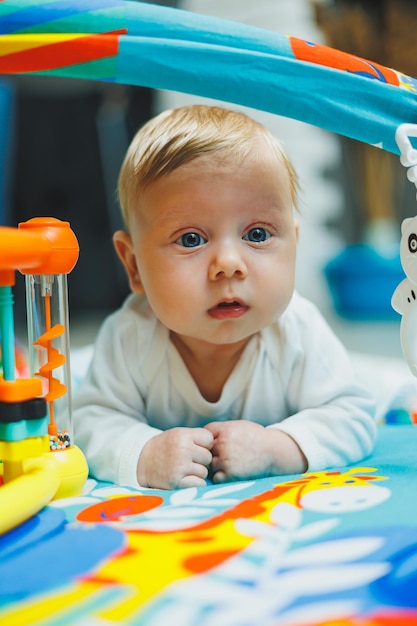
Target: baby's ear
column 125, row 250
column 297, row 228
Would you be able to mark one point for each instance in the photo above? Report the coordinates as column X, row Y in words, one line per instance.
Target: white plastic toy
column 408, row 156
column 404, row 298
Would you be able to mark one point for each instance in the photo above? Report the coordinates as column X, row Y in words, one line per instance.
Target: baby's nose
column 227, row 262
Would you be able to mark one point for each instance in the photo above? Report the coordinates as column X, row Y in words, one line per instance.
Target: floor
column 313, row 151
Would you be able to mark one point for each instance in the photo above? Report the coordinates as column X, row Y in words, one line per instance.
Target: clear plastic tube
column 49, row 350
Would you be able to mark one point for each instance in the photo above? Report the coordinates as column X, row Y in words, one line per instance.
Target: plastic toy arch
column 143, row 44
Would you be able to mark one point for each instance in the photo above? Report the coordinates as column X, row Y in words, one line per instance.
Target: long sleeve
column 331, row 416
column 109, row 409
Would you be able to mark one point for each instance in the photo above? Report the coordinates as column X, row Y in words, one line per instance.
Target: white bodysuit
column 294, row 375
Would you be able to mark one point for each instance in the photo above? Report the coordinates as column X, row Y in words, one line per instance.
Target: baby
column 214, row 367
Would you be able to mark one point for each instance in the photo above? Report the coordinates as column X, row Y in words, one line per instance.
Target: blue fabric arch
column 141, row 44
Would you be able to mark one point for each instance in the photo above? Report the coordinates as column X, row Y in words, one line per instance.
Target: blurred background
column 62, row 142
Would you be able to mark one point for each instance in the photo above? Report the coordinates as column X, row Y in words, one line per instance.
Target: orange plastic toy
column 39, row 459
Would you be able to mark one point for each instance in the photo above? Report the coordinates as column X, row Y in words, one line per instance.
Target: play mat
column 331, row 548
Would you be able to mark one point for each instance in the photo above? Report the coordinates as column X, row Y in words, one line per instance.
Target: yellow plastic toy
column 39, row 459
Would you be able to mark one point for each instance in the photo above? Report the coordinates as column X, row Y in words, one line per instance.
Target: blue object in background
column 398, row 416
column 362, row 282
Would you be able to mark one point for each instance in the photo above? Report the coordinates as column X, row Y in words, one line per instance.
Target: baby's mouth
column 228, row 309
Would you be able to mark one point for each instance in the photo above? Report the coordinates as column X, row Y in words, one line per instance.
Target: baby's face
column 215, row 246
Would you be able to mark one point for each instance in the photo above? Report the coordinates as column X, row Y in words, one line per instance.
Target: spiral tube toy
column 35, row 469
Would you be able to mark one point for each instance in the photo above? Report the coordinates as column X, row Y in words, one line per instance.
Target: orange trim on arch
column 330, row 57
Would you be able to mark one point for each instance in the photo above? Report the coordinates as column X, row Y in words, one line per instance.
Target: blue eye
column 257, row 235
column 191, row 240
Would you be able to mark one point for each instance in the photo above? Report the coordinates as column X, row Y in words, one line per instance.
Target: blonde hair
column 177, row 136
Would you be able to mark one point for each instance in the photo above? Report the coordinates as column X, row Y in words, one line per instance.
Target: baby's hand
column 178, row 457
column 243, row 449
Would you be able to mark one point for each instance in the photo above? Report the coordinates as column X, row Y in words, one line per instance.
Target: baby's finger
column 219, row 477
column 195, row 477
column 198, row 469
column 191, row 481
column 202, row 456
column 203, row 437
column 214, row 428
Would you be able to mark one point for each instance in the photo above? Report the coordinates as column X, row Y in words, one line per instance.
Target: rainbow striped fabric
column 143, row 44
